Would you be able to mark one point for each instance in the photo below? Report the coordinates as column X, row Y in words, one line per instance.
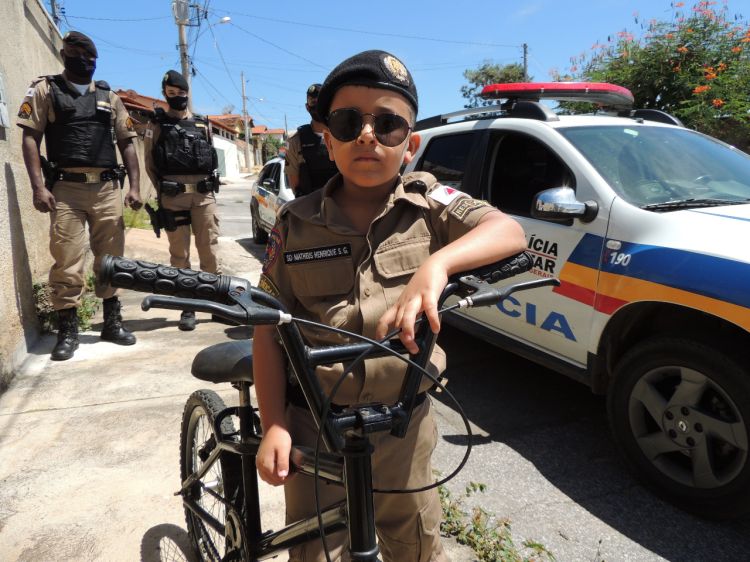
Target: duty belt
column 85, row 177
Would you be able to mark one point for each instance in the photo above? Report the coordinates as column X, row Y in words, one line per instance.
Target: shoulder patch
column 129, row 124
column 273, row 248
column 463, row 208
column 444, row 194
column 266, row 285
column 25, row 111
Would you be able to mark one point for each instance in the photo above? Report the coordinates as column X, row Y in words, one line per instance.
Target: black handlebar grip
column 148, row 277
column 502, row 269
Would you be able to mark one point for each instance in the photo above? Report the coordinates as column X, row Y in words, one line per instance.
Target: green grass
column 47, row 315
column 490, row 538
column 137, row 219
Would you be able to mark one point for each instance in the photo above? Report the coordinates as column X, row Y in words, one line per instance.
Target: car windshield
column 663, row 168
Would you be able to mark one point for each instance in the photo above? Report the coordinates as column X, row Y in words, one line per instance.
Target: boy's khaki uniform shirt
column 98, row 204
column 324, row 270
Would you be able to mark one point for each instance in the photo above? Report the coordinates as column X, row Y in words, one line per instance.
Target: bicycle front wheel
column 218, row 493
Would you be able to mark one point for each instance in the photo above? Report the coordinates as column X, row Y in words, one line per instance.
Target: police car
column 647, row 226
column 269, row 192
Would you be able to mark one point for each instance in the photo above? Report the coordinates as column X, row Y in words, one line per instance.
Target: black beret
column 313, row 90
column 174, row 78
column 78, row 39
column 374, row 69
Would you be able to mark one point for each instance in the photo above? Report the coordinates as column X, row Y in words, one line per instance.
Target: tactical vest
column 317, row 168
column 183, row 147
column 83, row 133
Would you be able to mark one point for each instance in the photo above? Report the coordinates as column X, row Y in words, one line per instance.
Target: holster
column 49, row 171
column 171, row 188
column 166, row 219
column 121, row 172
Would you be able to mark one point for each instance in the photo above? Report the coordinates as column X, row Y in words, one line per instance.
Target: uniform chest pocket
column 403, row 256
column 322, row 278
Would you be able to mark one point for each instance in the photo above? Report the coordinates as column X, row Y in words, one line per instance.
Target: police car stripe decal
column 702, row 282
column 722, row 216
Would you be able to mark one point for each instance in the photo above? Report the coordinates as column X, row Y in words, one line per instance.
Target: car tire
column 680, row 413
column 259, row 235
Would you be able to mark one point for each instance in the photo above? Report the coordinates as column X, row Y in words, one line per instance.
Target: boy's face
column 173, row 91
column 365, row 161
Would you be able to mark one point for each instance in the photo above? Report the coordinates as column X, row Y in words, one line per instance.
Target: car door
column 519, row 165
column 268, row 188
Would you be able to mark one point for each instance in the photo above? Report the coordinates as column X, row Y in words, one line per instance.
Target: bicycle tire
column 197, row 440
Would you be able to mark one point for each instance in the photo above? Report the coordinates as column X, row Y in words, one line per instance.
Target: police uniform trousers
column 205, row 226
column 100, row 206
column 408, row 525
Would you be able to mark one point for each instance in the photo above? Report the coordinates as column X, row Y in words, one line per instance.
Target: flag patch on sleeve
column 444, row 194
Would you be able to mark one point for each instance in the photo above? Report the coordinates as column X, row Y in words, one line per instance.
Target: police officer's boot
column 113, row 330
column 187, row 321
column 67, row 334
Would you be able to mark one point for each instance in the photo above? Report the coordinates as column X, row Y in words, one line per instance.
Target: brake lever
column 234, row 312
column 485, row 294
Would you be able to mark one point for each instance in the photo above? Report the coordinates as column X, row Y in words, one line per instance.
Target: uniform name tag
column 318, row 254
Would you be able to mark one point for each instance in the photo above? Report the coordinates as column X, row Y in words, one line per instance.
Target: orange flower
column 670, row 36
column 717, row 102
column 736, row 49
column 682, row 49
column 701, row 89
column 689, row 30
column 710, row 76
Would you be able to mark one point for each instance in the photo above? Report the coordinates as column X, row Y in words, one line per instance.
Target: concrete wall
column 29, row 46
column 231, row 157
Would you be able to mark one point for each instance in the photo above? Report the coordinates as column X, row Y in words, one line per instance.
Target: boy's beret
column 78, row 39
column 374, row 69
column 174, row 78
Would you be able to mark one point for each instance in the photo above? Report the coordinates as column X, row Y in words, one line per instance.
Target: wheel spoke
column 703, row 470
column 651, row 398
column 690, row 390
column 656, row 444
column 731, row 432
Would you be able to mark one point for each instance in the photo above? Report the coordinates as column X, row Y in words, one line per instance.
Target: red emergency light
column 595, row 92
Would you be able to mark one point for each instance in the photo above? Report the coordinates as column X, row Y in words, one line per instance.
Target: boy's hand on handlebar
column 421, row 294
column 272, row 460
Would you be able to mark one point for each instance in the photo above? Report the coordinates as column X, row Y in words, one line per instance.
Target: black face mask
column 177, row 103
column 80, row 66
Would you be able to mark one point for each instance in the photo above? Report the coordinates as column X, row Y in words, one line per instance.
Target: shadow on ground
column 166, row 543
column 561, row 427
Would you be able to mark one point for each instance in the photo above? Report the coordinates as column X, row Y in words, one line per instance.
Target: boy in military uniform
column 182, row 163
column 308, row 165
column 81, row 122
column 394, row 241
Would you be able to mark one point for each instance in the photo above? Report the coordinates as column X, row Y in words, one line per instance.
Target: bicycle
column 219, row 484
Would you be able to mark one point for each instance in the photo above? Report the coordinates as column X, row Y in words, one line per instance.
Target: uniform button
column 367, row 292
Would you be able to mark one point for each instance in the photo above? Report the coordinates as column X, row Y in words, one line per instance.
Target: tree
column 271, row 147
column 695, row 66
column 489, row 73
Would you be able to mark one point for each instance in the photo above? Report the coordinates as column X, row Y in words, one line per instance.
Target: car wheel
column 259, row 235
column 680, row 412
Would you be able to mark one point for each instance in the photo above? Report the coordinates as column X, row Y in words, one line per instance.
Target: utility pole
column 525, row 62
column 55, row 13
column 181, row 13
column 248, row 132
column 286, row 129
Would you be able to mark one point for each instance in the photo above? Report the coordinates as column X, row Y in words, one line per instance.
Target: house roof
column 264, row 130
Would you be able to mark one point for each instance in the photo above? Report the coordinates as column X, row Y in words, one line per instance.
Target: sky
column 283, row 47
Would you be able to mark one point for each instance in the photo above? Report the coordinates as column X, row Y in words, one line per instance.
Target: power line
column 221, row 56
column 381, row 34
column 276, row 46
column 122, row 20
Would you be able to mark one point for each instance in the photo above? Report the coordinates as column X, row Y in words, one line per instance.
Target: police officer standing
column 182, row 165
column 308, row 166
column 81, row 121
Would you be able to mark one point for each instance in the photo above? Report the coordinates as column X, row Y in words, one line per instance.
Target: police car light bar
column 595, row 92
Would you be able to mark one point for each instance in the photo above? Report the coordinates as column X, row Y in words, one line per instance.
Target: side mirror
column 560, row 204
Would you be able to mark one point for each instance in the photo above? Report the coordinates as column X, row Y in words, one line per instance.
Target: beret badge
column 395, row 69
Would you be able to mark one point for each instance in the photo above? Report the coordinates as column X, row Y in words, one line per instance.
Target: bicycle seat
column 230, row 361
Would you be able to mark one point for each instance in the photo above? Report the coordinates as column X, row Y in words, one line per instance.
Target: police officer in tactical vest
column 79, row 182
column 308, row 166
column 182, row 164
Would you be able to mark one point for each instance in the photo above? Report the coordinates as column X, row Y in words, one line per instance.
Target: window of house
column 446, row 157
column 520, row 167
column 4, row 117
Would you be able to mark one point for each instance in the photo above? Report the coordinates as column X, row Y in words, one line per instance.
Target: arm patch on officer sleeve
column 25, row 111
column 466, row 205
column 444, row 194
column 266, row 285
column 273, row 248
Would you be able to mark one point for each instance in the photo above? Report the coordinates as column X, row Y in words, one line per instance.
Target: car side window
column 270, row 180
column 264, row 174
column 520, row 167
column 446, row 156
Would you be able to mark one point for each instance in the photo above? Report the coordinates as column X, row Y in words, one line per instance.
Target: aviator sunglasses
column 346, row 125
